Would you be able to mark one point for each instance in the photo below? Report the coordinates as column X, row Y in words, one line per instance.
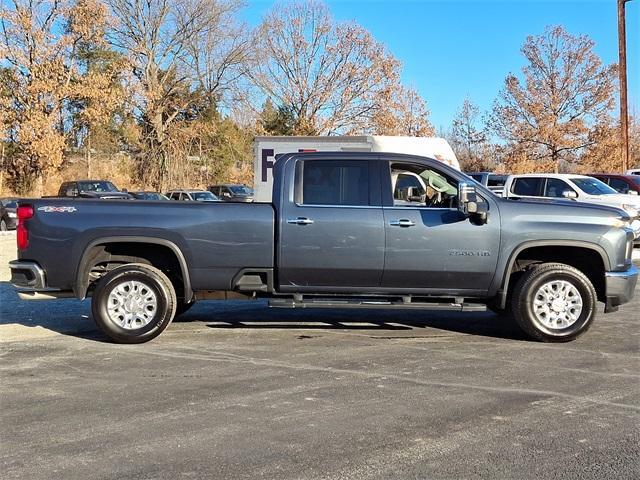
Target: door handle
column 403, row 222
column 300, row 221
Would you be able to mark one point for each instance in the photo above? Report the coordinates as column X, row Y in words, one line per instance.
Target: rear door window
column 329, row 182
column 555, row 188
column 619, row 185
column 527, row 186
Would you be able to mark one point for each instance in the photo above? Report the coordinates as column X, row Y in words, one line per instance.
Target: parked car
column 8, row 214
column 232, row 192
column 579, row 188
column 628, row 184
column 148, row 196
column 192, row 196
column 102, row 189
column 493, row 181
column 633, row 171
column 336, row 236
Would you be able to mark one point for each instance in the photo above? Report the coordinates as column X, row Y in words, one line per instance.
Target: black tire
column 3, row 226
column 528, row 287
column 183, row 307
column 146, row 277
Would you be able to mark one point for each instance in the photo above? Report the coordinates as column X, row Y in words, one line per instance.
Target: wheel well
column 102, row 258
column 587, row 260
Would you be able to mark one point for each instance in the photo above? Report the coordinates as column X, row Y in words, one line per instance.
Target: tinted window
column 407, row 185
column 476, row 176
column 239, row 190
column 635, row 179
column 556, row 187
column 496, row 180
column 335, row 183
column 593, row 186
column 619, row 185
column 202, row 196
column 97, row 187
column 527, row 186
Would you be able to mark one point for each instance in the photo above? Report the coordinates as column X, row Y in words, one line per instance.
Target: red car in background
column 621, row 183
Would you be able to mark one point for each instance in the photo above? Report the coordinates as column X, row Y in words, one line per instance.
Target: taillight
column 23, row 212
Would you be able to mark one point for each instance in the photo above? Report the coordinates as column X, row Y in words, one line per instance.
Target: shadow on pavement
column 236, row 315
column 44, row 317
column 73, row 318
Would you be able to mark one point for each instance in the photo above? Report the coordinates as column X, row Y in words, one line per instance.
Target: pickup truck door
column 429, row 244
column 331, row 228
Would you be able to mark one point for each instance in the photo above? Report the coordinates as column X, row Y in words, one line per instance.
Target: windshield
column 635, row 179
column 239, row 190
column 593, row 186
column 150, row 196
column 203, row 196
column 97, row 187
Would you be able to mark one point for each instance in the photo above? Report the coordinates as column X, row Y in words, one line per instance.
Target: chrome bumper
column 29, row 280
column 620, row 287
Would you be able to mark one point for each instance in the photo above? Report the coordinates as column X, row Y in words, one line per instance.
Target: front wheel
column 133, row 303
column 3, row 226
column 554, row 302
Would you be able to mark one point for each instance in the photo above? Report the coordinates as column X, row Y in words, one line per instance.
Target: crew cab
column 344, row 230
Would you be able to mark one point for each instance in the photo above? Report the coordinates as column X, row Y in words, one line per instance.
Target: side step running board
column 386, row 304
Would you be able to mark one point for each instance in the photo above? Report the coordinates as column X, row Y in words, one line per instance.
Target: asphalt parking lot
column 237, row 390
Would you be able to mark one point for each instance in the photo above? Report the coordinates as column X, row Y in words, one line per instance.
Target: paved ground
column 240, row 391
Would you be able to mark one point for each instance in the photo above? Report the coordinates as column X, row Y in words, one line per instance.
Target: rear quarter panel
column 216, row 239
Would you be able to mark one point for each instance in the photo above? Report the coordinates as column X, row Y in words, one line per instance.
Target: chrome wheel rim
column 557, row 304
column 132, row 304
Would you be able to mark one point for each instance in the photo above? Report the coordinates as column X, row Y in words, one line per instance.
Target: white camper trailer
column 266, row 149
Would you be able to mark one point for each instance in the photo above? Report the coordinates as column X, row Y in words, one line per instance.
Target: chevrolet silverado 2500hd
column 346, row 230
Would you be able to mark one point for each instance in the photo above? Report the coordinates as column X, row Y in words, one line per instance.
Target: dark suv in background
column 92, row 189
column 8, row 214
column 230, row 192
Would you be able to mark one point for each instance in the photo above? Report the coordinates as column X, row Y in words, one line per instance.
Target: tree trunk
column 88, row 154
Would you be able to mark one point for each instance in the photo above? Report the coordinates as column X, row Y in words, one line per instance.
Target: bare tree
column 39, row 43
column 327, row 75
column 175, row 48
column 400, row 111
column 548, row 115
column 469, row 137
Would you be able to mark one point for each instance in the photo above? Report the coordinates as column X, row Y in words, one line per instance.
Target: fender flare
column 81, row 284
column 502, row 292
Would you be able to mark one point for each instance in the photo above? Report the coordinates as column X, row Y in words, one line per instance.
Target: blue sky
column 453, row 49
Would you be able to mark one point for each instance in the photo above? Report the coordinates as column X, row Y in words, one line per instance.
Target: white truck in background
column 267, row 148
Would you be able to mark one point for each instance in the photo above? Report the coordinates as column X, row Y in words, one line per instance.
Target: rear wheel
column 554, row 302
column 133, row 303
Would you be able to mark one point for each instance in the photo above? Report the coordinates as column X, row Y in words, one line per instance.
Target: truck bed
column 217, row 240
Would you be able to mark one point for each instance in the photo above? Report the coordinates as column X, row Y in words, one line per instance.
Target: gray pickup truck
column 345, row 230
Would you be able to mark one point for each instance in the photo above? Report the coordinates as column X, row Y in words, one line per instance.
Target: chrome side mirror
column 469, row 206
column 467, row 198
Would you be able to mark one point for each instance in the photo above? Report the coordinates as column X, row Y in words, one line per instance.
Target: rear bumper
column 29, row 279
column 620, row 287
